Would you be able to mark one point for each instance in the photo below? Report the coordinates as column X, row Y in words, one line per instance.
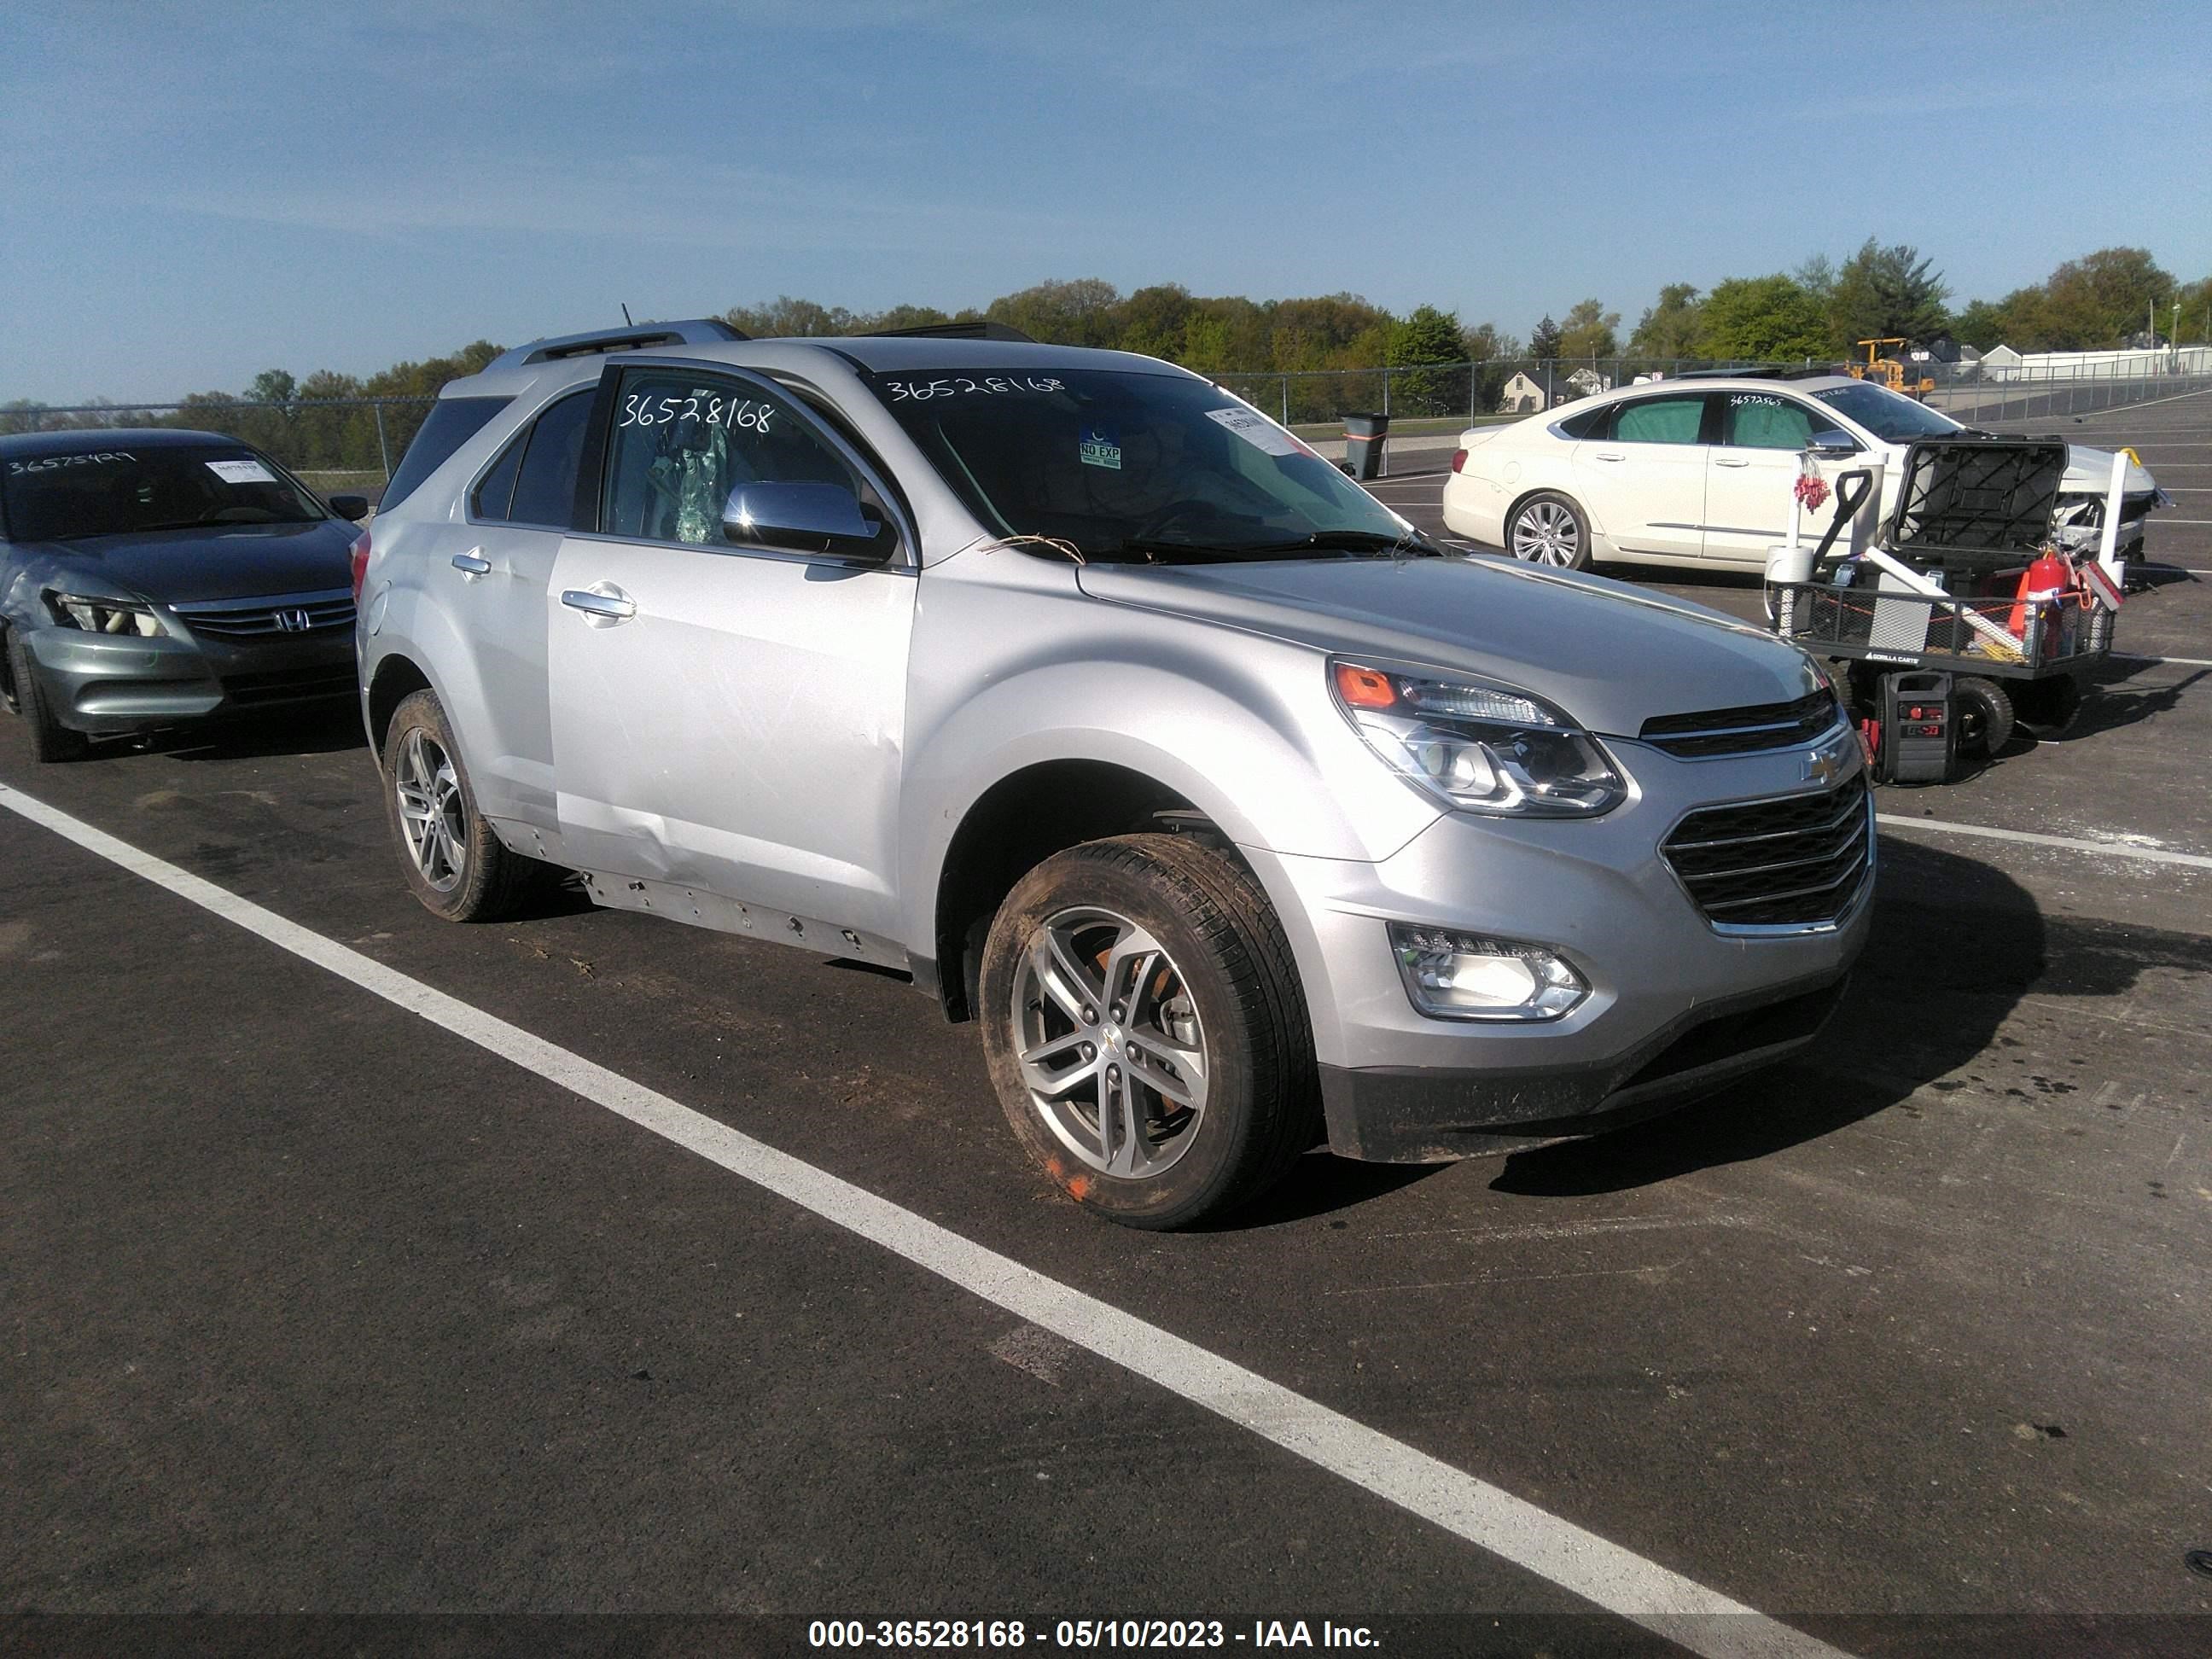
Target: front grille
column 280, row 617
column 1794, row 862
column 1726, row 1035
column 1743, row 730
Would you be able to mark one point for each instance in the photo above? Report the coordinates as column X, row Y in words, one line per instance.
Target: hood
column 223, row 562
column 1613, row 656
column 2089, row 472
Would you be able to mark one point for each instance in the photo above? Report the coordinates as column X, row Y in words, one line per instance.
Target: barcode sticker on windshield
column 1258, row 429
column 243, row 471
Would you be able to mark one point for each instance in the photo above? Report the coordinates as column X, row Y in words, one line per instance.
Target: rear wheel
column 50, row 739
column 1146, row 1030
column 456, row 866
column 1548, row 528
column 1985, row 715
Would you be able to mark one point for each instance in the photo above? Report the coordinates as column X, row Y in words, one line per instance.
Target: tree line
column 1817, row 311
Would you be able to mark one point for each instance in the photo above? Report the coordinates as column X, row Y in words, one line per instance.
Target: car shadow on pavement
column 1956, row 944
column 321, row 728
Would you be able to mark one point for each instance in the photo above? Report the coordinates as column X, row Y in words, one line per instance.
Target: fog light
column 1454, row 975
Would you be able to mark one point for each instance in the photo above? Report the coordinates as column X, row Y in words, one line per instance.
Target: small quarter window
column 1584, row 423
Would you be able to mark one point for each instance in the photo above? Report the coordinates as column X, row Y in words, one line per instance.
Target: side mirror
column 355, row 507
column 1832, row 442
column 803, row 518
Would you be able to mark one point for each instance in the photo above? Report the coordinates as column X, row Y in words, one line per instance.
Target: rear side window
column 553, row 462
column 545, row 483
column 1659, row 421
column 451, row 423
column 1584, row 422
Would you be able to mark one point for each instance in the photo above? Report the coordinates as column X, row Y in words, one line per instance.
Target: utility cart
column 1954, row 610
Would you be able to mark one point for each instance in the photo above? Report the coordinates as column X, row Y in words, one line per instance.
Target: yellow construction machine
column 1891, row 371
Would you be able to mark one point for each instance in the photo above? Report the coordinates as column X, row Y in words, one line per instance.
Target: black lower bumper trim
column 1393, row 1114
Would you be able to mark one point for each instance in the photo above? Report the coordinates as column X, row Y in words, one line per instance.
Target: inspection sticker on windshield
column 1257, row 430
column 1100, row 448
column 241, row 471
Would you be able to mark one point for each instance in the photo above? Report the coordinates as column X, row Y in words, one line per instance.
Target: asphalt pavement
column 318, row 1305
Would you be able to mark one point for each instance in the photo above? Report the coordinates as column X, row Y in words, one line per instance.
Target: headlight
column 1480, row 747
column 1455, row 975
column 96, row 616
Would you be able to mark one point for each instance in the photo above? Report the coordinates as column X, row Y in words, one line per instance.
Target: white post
column 2108, row 543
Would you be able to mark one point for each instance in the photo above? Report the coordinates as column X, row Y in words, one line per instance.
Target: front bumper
column 103, row 684
column 1676, row 1007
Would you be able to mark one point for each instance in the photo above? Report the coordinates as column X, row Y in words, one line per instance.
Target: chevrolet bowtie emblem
column 1822, row 767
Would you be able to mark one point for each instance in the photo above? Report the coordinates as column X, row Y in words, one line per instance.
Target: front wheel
column 1145, row 1030
column 50, row 739
column 1549, row 528
column 455, row 863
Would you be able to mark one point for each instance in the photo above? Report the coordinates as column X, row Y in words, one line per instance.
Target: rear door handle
column 1609, row 455
column 1723, row 460
column 469, row 564
column 615, row 607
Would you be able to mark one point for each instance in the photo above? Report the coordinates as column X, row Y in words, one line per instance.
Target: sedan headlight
column 1479, row 747
column 99, row 616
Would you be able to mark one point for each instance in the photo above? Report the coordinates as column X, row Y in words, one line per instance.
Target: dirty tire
column 1225, row 949
column 487, row 880
column 1549, row 529
column 1985, row 715
column 50, row 739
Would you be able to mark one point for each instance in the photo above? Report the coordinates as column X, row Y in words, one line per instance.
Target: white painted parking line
column 1615, row 1579
column 2070, row 843
column 2177, row 662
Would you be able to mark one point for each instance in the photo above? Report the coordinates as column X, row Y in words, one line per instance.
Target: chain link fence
column 353, row 444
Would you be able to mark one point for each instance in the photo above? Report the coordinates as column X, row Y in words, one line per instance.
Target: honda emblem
column 294, row 622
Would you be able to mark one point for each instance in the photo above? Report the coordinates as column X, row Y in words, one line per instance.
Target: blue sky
column 192, row 193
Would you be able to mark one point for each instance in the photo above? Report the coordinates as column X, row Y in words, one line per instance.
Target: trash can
column 1362, row 445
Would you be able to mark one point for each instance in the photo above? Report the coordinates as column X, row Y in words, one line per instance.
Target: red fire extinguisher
column 2048, row 578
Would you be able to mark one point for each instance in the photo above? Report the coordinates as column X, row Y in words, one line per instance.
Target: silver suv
column 1240, row 816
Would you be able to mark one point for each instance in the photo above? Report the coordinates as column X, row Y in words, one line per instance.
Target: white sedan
column 1699, row 471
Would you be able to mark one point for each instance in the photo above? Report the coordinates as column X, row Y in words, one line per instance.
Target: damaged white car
column 1699, row 472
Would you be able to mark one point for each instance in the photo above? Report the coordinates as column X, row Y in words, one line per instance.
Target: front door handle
column 615, row 607
column 470, row 564
column 1723, row 460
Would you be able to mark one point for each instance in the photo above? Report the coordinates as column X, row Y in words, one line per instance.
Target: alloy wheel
column 432, row 816
column 1545, row 532
column 1109, row 1042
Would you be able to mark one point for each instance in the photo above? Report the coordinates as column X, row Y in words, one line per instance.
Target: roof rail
column 983, row 330
column 702, row 330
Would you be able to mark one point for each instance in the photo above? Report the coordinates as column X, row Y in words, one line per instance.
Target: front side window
column 1130, row 466
column 1762, row 420
column 135, row 488
column 1659, row 421
column 682, row 442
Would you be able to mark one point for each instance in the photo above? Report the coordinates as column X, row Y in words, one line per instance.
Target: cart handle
column 1848, row 502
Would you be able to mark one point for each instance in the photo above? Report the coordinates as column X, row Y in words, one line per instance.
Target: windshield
column 1891, row 418
column 1134, row 467
column 125, row 490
